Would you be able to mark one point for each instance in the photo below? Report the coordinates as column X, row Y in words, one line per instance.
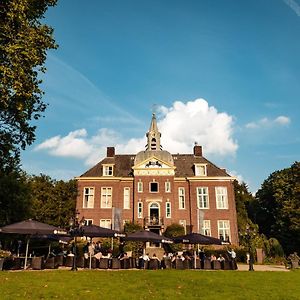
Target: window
column 88, row 222
column 106, row 197
column 183, row 223
column 221, row 197
column 153, row 187
column 106, row 223
column 181, row 198
column 88, row 197
column 206, row 228
column 168, row 209
column 126, row 198
column 168, row 186
column 140, row 187
column 202, row 197
column 224, row 230
column 140, row 210
column 200, row 170
column 108, row 170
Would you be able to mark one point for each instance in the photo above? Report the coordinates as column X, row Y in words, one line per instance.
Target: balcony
column 153, row 221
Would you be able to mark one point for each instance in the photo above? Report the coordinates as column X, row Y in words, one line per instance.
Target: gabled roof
column 184, row 164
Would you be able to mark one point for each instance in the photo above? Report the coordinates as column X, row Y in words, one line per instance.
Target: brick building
column 156, row 188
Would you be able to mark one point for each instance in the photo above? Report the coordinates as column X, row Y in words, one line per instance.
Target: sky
column 222, row 73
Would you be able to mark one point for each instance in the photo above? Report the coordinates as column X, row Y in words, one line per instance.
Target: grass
column 145, row 284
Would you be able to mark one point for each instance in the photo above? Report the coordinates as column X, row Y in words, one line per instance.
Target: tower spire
column 153, row 136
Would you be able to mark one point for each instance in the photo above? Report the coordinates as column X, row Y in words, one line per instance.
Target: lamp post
column 75, row 231
column 248, row 238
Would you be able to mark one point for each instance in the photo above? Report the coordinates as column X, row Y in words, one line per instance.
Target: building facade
column 156, row 188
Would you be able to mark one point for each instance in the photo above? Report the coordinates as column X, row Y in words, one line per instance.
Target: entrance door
column 154, row 213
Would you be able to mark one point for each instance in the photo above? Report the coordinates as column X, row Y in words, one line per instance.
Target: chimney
column 110, row 152
column 197, row 150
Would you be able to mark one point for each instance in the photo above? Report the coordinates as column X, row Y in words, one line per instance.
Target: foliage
column 276, row 208
column 24, row 42
column 53, row 202
column 14, row 198
column 159, row 284
column 171, row 231
column 4, row 253
column 135, row 247
column 132, row 227
column 174, row 230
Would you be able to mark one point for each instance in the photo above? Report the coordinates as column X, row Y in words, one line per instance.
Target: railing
column 153, row 221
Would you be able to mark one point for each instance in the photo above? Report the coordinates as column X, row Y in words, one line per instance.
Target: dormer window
column 200, row 170
column 108, row 170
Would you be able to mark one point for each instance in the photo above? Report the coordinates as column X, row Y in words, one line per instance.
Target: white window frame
column 140, row 186
column 106, row 197
column 181, row 197
column 183, row 223
column 140, row 210
column 150, row 183
column 202, row 197
column 167, row 186
column 200, row 170
column 206, row 228
column 224, row 230
column 88, row 222
column 105, row 223
column 168, row 210
column 108, row 170
column 221, row 197
column 126, row 198
column 88, row 197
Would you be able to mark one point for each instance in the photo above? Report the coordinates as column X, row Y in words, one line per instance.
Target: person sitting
column 213, row 257
column 221, row 258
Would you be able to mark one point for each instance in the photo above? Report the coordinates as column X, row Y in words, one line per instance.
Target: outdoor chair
column 206, row 264
column 187, row 264
column 103, row 263
column 216, row 265
column 50, row 263
column 153, row 264
column 69, row 261
column 179, row 264
column 59, row 260
column 37, row 263
column 226, row 265
column 125, row 263
column 81, row 262
column 115, row 263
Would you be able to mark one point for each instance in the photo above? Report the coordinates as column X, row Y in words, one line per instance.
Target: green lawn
column 140, row 284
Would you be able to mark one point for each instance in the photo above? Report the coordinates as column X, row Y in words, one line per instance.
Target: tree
column 24, row 42
column 53, row 202
column 276, row 208
column 14, row 198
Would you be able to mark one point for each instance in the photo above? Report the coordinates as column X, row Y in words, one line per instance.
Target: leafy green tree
column 276, row 208
column 14, row 198
column 53, row 202
column 24, row 42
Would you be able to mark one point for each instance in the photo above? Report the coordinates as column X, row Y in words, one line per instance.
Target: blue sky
column 222, row 73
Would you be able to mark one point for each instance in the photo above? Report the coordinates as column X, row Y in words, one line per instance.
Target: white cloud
column 282, row 120
column 180, row 125
column 269, row 123
column 294, row 6
column 72, row 145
